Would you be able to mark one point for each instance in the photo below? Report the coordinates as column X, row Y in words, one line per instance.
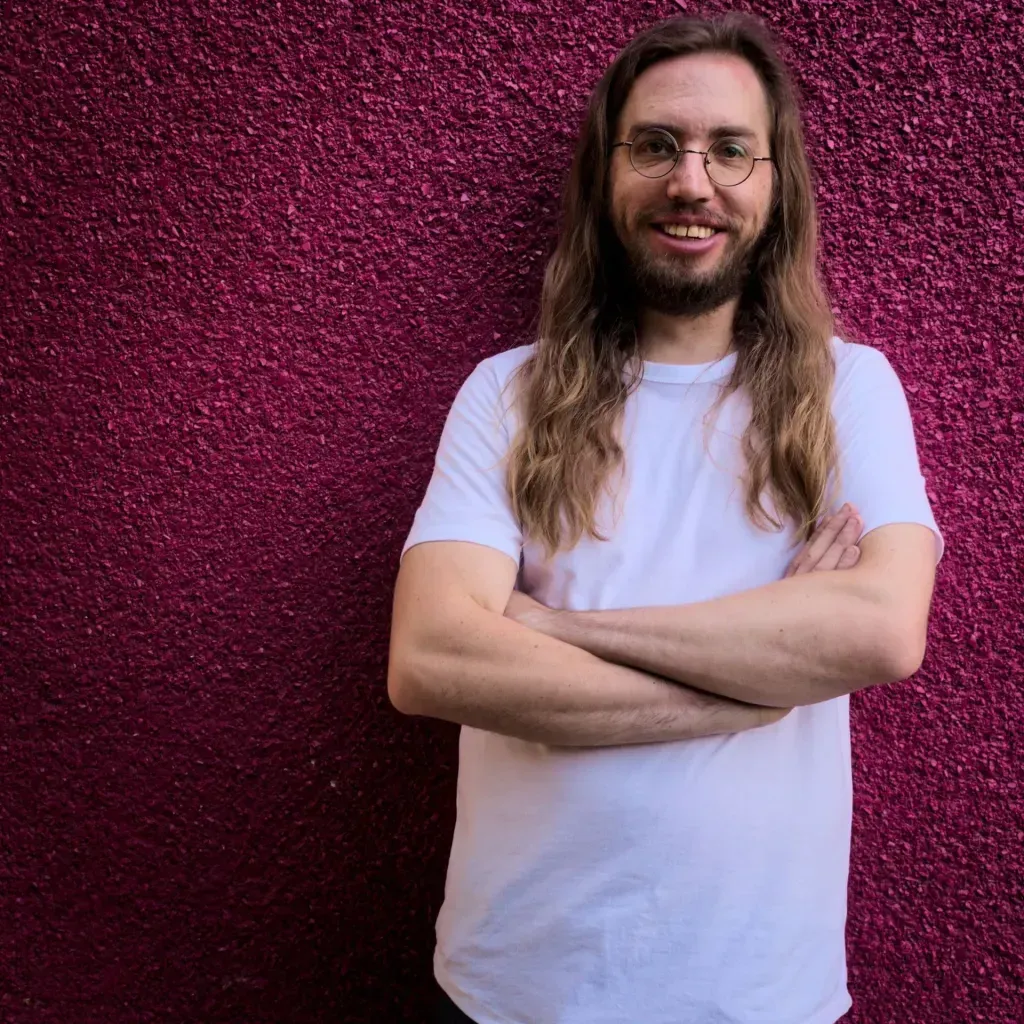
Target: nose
column 688, row 180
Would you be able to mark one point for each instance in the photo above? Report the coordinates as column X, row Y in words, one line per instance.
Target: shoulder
column 861, row 370
column 491, row 376
column 485, row 402
column 853, row 357
column 502, row 365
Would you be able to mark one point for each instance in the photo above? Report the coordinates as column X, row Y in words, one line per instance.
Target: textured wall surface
column 249, row 254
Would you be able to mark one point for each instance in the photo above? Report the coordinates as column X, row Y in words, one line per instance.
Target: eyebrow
column 716, row 133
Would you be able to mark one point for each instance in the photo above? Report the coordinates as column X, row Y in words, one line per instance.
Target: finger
column 852, row 528
column 808, row 555
column 849, row 533
column 824, row 537
column 850, row 557
column 847, row 536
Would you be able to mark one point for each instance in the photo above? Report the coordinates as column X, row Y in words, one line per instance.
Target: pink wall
column 249, row 254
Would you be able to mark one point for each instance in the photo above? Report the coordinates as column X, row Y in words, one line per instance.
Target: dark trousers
column 445, row 1011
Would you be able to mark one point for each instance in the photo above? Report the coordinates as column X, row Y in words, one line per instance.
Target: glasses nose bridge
column 680, row 161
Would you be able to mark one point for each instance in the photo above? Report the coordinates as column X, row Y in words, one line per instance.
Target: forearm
column 495, row 674
column 796, row 641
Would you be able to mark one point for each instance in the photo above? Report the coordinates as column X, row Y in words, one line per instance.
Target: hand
column 525, row 610
column 833, row 545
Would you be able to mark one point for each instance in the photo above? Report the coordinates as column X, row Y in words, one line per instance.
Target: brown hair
column 572, row 389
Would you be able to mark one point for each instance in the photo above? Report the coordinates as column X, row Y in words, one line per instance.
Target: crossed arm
column 799, row 640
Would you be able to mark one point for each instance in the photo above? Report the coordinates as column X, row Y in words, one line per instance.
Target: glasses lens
column 653, row 153
column 730, row 162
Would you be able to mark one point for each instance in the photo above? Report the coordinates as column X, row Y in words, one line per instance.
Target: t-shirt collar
column 690, row 373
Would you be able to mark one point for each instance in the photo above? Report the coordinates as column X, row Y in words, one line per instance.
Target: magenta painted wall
column 249, row 254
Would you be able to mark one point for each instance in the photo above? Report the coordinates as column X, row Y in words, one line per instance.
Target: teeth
column 693, row 231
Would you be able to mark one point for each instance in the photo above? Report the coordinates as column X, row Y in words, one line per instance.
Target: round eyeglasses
column 654, row 153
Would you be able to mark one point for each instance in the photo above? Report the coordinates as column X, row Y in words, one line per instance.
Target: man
column 654, row 792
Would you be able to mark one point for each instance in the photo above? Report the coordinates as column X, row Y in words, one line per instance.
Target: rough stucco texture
column 249, row 254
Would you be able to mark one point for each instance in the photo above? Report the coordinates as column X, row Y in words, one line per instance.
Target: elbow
column 404, row 689
column 398, row 692
column 906, row 661
column 904, row 654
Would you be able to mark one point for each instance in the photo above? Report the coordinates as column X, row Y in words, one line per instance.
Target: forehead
column 698, row 93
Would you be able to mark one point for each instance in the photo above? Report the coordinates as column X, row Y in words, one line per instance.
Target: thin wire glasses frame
column 706, row 153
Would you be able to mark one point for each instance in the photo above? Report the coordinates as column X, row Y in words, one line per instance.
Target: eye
column 647, row 146
column 731, row 149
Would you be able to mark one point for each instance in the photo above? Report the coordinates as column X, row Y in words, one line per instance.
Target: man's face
column 691, row 96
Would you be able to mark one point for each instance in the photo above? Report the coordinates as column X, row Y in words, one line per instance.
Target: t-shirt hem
column 833, row 1010
column 466, row 1005
column 487, row 539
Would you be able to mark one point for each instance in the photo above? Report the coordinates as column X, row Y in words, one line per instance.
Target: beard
column 671, row 285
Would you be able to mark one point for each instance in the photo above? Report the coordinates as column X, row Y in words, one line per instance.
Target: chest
column 676, row 524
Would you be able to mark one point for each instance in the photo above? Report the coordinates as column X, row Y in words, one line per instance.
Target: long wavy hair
column 573, row 388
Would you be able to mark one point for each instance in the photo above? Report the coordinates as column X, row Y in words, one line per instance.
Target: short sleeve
column 466, row 498
column 880, row 472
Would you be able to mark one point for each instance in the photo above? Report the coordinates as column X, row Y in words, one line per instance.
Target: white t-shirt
column 692, row 882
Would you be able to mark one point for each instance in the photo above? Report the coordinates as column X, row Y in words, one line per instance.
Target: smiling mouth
column 692, row 231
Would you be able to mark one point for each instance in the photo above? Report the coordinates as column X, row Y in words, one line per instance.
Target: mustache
column 665, row 214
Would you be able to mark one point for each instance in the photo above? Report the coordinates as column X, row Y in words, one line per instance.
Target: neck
column 683, row 339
